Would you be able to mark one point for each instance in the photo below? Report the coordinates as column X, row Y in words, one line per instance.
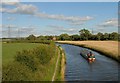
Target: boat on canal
column 88, row 55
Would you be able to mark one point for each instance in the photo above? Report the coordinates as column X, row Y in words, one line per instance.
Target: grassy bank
column 61, row 66
column 36, row 64
column 108, row 48
column 63, row 63
column 0, row 62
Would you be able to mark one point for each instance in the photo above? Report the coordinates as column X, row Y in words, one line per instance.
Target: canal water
column 79, row 69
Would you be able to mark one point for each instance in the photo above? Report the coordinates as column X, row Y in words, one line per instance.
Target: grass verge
column 0, row 62
column 61, row 66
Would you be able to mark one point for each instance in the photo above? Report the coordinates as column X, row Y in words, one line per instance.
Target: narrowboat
column 88, row 55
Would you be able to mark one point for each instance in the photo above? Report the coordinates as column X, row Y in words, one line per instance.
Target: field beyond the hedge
column 9, row 50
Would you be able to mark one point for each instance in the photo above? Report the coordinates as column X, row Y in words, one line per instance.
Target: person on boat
column 91, row 53
column 89, row 56
column 92, row 56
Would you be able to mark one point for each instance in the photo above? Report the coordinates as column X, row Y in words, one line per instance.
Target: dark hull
column 83, row 55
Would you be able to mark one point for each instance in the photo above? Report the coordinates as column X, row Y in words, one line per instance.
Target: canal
column 79, row 69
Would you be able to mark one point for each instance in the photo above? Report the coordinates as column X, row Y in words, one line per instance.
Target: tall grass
column 31, row 65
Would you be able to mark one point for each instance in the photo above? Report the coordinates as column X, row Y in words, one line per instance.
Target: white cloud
column 13, row 3
column 15, row 30
column 4, row 10
column 77, row 23
column 18, row 8
column 30, row 9
column 109, row 23
column 25, row 9
column 10, row 18
column 60, row 29
column 27, row 29
column 73, row 19
column 0, row 25
column 7, row 25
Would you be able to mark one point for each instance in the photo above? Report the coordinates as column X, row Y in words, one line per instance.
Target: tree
column 106, row 36
column 114, row 36
column 31, row 37
column 64, row 37
column 41, row 37
column 75, row 37
column 100, row 36
column 85, row 34
column 48, row 37
column 118, row 37
column 94, row 37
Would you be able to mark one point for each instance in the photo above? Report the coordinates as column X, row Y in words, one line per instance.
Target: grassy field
column 109, row 48
column 9, row 50
column 33, row 62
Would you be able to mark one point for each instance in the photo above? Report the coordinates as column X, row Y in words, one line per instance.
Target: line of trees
column 84, row 34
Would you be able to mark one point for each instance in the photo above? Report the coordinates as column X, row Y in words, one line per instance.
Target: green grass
column 50, row 68
column 36, row 64
column 58, row 73
column 61, row 65
column 9, row 50
column 0, row 53
column 0, row 61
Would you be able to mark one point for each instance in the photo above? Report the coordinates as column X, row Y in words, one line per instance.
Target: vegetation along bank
column 61, row 66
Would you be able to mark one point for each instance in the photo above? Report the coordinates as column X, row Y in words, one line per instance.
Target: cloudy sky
column 55, row 18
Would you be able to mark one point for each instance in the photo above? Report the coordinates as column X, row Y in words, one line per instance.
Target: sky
column 55, row 18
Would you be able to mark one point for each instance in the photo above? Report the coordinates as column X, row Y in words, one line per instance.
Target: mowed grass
column 109, row 48
column 9, row 50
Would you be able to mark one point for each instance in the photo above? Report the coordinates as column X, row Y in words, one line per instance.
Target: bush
column 15, row 71
column 27, row 58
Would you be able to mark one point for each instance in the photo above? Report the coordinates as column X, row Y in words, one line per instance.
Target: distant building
column 54, row 38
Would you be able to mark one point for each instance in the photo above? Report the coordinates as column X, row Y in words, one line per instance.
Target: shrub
column 27, row 58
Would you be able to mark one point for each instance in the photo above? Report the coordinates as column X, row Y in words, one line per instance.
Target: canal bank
column 63, row 63
column 107, row 48
column 60, row 74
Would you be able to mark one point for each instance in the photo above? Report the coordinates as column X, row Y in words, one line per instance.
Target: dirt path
column 56, row 66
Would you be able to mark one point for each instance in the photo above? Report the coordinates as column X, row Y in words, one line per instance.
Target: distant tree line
column 84, row 34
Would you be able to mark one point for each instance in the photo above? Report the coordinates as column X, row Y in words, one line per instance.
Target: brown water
column 79, row 69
